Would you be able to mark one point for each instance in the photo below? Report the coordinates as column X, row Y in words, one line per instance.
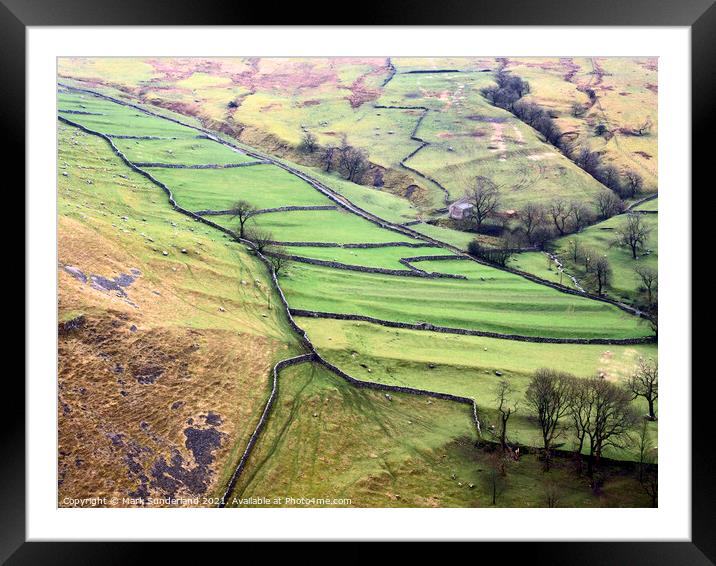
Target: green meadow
column 326, row 439
column 319, row 226
column 264, row 186
column 489, row 300
column 540, row 264
column 649, row 206
column 112, row 118
column 465, row 365
column 386, row 258
column 446, row 235
column 181, row 152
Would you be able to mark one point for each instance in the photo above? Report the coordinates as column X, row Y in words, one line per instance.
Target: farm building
column 459, row 209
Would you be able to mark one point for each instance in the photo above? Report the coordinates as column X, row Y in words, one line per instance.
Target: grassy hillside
column 467, row 134
column 386, row 258
column 167, row 349
column 269, row 103
column 467, row 365
column 626, row 92
column 327, row 440
column 264, row 186
column 182, row 152
column 186, row 314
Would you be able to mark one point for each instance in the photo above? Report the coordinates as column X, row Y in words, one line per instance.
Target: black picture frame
column 699, row 15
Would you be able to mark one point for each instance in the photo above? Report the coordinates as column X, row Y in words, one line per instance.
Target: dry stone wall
column 268, row 210
column 201, row 166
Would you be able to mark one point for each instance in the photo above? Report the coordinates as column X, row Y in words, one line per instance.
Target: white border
column 671, row 521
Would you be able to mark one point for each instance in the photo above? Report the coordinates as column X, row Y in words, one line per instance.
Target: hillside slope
column 163, row 359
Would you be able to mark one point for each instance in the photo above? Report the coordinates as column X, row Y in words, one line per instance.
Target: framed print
column 392, row 282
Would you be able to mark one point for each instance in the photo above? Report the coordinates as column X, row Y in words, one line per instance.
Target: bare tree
column 575, row 249
column 261, row 239
column 327, row 158
column 647, row 470
column 499, row 254
column 601, row 273
column 650, row 281
column 242, row 210
column 552, row 494
column 603, row 416
column 643, row 442
column 581, row 215
column 608, row 204
column 588, row 257
column 610, row 178
column 506, row 408
column 633, row 233
column 277, row 257
column 644, row 382
column 532, row 216
column 484, row 196
column 560, row 212
column 496, row 475
column 652, row 316
column 308, row 144
column 588, row 160
column 352, row 163
column 633, row 183
column 541, row 235
column 548, row 396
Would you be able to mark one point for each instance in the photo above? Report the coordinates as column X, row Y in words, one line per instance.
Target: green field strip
column 182, row 151
column 466, row 365
column 648, row 206
column 447, row 235
column 263, row 186
column 318, row 226
column 490, row 300
column 386, row 258
column 118, row 119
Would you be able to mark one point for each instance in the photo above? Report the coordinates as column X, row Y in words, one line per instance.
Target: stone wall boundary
column 130, row 137
column 200, row 166
column 262, row 421
column 82, row 112
column 289, row 208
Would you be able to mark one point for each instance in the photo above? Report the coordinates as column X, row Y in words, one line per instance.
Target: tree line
column 351, row 162
column 596, row 413
column 508, row 94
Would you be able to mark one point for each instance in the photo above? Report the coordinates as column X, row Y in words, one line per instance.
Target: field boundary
column 469, row 332
column 288, row 362
column 201, row 166
column 423, row 145
column 267, row 210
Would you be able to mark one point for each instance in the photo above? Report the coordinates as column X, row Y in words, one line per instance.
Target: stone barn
column 460, row 210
